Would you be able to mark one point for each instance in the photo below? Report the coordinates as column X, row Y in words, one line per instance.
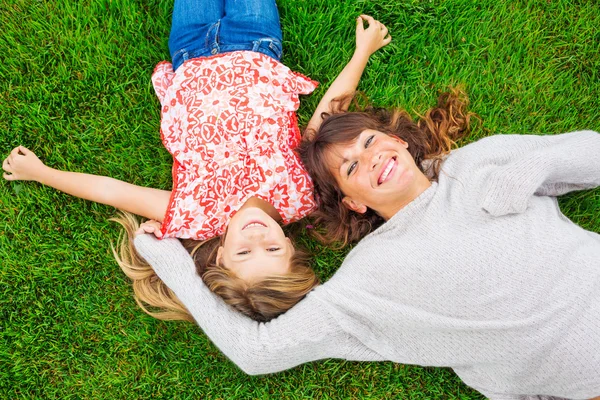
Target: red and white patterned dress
column 229, row 121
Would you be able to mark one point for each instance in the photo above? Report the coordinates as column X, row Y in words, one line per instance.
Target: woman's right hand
column 22, row 164
column 150, row 226
column 373, row 38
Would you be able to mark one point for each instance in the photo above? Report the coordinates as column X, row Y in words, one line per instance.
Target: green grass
column 75, row 88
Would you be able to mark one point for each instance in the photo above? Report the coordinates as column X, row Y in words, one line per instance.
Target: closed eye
column 351, row 168
column 243, row 253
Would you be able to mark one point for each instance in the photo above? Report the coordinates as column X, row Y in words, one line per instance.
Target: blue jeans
column 203, row 28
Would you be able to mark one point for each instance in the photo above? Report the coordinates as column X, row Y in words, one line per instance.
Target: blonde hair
column 262, row 300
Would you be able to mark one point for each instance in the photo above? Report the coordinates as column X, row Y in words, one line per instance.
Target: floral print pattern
column 229, row 121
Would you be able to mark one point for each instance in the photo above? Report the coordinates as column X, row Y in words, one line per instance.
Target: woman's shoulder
column 495, row 149
column 504, row 142
column 492, row 142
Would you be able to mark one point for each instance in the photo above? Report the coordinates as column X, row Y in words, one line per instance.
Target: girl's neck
column 263, row 205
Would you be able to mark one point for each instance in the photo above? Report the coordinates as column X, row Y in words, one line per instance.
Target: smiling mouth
column 254, row 224
column 386, row 171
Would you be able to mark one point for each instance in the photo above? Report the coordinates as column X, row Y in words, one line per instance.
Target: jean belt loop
column 212, row 38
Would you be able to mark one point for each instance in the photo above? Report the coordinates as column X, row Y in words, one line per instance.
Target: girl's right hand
column 150, row 226
column 373, row 38
column 22, row 164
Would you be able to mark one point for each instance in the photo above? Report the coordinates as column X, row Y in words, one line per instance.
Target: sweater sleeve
column 305, row 333
column 544, row 166
column 493, row 396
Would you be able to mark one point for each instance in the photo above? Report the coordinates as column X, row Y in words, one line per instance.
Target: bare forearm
column 368, row 41
column 147, row 202
column 348, row 79
column 346, row 82
column 85, row 186
column 22, row 164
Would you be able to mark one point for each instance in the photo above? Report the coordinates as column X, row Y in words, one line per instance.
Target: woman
column 474, row 268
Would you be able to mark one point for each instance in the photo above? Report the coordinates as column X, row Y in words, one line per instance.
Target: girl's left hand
column 373, row 38
column 150, row 226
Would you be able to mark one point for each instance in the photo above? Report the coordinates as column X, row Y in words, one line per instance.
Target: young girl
column 473, row 265
column 228, row 119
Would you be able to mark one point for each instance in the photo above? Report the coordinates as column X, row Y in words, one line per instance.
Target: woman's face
column 255, row 246
column 376, row 171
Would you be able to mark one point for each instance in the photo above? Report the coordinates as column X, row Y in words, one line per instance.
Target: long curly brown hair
column 429, row 139
column 262, row 300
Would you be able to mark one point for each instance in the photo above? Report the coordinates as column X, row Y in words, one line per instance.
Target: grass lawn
column 75, row 88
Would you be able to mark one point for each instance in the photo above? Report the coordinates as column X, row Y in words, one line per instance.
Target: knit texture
column 481, row 273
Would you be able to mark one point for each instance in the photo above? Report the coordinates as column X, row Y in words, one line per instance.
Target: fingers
column 24, row 150
column 384, row 30
column 375, row 28
column 9, row 176
column 8, row 163
column 21, row 164
column 373, row 22
column 150, row 226
column 146, row 227
column 15, row 151
column 360, row 26
column 11, row 157
column 7, row 167
column 370, row 20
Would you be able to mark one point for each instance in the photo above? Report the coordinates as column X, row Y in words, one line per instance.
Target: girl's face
column 255, row 246
column 376, row 171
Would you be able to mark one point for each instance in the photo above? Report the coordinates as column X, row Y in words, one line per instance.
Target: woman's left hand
column 374, row 37
column 150, row 226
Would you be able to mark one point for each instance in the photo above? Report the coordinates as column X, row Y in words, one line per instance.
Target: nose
column 371, row 158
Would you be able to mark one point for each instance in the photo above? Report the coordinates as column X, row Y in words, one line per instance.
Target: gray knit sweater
column 481, row 273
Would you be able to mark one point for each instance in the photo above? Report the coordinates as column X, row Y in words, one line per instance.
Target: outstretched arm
column 307, row 332
column 23, row 164
column 542, row 165
column 368, row 41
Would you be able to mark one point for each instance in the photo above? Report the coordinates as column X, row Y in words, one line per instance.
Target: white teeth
column 254, row 224
column 387, row 171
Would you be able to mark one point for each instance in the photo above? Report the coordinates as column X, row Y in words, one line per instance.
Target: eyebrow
column 331, row 158
column 345, row 160
column 337, row 154
column 338, row 167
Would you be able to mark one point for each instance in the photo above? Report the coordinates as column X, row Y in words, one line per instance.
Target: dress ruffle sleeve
column 162, row 78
